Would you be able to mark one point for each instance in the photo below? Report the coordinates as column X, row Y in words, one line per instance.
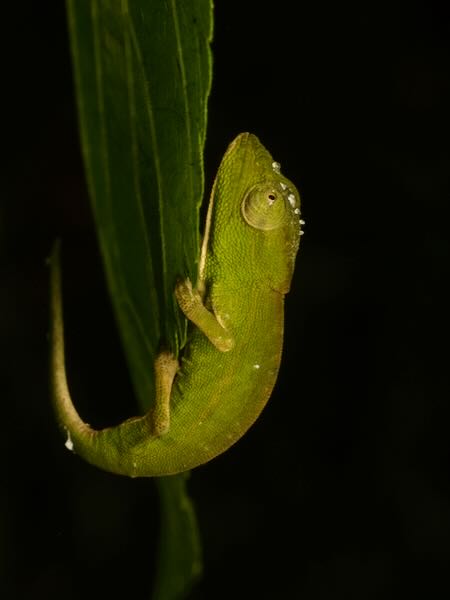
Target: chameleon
column 208, row 399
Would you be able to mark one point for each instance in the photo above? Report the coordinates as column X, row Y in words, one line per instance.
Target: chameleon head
column 261, row 214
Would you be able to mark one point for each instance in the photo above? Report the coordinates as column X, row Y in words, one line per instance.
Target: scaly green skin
column 230, row 363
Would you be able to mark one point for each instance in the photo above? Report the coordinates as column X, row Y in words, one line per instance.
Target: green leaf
column 143, row 74
column 180, row 558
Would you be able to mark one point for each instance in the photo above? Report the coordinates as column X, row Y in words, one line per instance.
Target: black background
column 342, row 487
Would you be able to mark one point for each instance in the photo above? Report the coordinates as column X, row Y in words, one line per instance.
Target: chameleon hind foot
column 166, row 367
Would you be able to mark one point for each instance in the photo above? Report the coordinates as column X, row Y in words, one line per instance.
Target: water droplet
column 69, row 443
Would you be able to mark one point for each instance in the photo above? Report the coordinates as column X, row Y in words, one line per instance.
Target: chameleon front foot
column 191, row 303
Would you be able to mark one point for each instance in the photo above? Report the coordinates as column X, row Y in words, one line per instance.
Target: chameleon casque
column 229, row 365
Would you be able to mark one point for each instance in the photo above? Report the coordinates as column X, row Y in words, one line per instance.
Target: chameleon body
column 230, row 363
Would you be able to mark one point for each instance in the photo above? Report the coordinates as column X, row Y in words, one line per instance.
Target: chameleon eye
column 264, row 208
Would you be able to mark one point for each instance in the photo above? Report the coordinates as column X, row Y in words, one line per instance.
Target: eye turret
column 264, row 207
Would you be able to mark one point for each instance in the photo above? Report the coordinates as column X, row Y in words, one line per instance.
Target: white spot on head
column 302, row 222
column 276, row 166
column 302, row 232
column 283, row 186
column 297, row 212
column 256, row 367
column 291, row 199
column 69, row 443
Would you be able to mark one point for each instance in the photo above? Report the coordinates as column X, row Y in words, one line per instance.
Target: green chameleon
column 229, row 365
